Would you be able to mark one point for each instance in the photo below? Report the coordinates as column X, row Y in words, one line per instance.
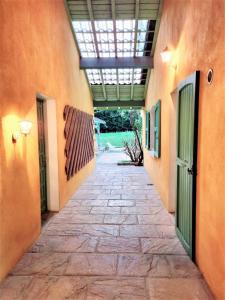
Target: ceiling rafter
column 103, row 85
column 147, row 81
column 90, row 11
column 137, row 7
column 117, row 85
column 113, row 6
column 157, row 27
column 75, row 39
column 135, row 44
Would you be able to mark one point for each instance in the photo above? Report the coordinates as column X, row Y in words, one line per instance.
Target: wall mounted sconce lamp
column 166, row 56
column 25, row 128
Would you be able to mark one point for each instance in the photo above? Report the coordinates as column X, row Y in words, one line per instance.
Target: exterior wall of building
column 194, row 31
column 37, row 55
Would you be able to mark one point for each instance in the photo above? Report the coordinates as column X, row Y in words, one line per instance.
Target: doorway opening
column 48, row 155
column 42, row 155
column 120, row 130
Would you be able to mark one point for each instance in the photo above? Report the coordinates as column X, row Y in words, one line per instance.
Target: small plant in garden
column 133, row 149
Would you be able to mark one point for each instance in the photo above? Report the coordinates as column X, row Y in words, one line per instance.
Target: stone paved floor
column 112, row 241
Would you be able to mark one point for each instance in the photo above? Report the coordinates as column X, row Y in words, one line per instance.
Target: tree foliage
column 120, row 120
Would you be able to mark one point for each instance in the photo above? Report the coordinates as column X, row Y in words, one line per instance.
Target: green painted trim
column 157, row 130
column 147, row 130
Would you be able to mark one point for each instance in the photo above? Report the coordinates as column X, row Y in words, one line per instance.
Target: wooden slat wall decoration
column 79, row 146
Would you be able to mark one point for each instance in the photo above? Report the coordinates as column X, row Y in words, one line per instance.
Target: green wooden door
column 42, row 154
column 187, row 121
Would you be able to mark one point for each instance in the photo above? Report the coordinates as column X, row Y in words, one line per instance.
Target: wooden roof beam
column 131, row 103
column 143, row 62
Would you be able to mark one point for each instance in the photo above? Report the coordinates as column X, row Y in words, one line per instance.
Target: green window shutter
column 157, row 129
column 147, row 129
column 152, row 127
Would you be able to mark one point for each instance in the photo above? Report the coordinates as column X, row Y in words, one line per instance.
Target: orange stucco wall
column 37, row 54
column 194, row 31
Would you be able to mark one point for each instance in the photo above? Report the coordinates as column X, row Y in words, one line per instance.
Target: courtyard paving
column 112, row 241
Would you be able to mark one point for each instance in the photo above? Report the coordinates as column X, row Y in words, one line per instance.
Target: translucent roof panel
column 109, row 76
column 116, row 29
column 94, row 76
column 113, row 76
column 122, row 38
column 100, row 40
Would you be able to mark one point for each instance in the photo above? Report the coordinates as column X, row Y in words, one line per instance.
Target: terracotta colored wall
column 37, row 54
column 194, row 30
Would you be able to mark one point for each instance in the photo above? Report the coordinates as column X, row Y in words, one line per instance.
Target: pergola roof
column 116, row 40
column 123, row 9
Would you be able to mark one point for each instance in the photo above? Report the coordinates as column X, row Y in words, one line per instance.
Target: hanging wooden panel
column 79, row 146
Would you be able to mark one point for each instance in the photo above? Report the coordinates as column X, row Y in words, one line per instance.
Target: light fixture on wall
column 25, row 127
column 166, row 55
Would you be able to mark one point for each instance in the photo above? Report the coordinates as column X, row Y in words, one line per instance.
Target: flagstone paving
column 113, row 240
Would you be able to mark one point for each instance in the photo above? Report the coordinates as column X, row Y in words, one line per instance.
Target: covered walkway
column 112, row 241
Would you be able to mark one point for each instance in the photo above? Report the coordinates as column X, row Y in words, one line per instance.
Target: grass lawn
column 115, row 138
